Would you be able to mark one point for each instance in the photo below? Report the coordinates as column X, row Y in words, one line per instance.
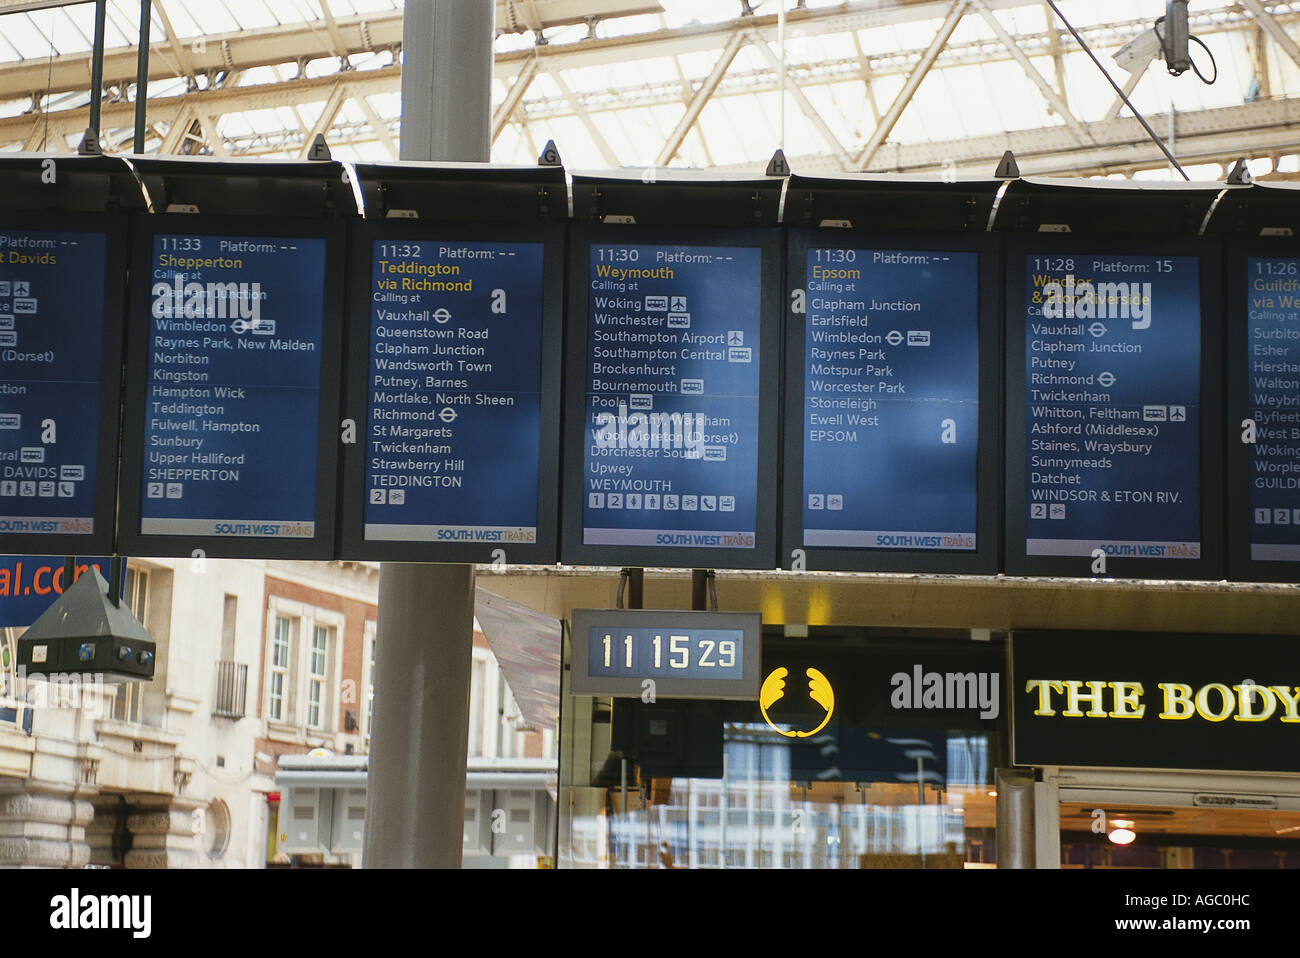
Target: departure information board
column 238, row 330
column 456, row 381
column 1112, row 415
column 61, row 291
column 1264, row 421
column 897, row 347
column 676, row 345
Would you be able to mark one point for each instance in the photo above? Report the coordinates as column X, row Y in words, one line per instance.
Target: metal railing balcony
column 232, row 689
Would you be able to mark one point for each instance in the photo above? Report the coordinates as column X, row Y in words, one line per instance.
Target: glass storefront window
column 708, row 784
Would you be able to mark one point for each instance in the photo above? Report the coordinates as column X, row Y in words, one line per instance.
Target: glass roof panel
column 635, row 94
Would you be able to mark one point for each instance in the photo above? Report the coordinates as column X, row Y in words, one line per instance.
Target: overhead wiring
column 1118, row 89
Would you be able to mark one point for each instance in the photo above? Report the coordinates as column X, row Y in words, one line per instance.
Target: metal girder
column 328, row 114
column 1054, row 42
column 211, row 135
column 337, row 44
column 183, row 65
column 805, row 105
column 178, row 131
column 27, row 6
column 1117, row 105
column 243, row 50
column 1262, row 128
column 864, row 66
column 1261, row 63
column 886, row 125
column 606, row 152
column 380, row 128
column 502, row 114
column 1054, row 99
column 701, row 97
column 215, row 102
column 515, row 16
column 694, row 38
column 851, row 68
column 381, row 31
column 1273, row 29
column 686, row 99
column 237, row 52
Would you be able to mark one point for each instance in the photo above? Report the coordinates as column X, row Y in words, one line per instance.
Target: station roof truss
column 917, row 86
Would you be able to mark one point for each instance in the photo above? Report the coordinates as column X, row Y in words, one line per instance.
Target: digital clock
column 711, row 655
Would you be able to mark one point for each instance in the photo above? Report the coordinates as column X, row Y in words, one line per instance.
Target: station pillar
column 415, row 802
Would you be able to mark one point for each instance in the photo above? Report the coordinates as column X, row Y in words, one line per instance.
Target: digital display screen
column 454, row 392
column 53, row 339
column 1273, row 404
column 233, row 410
column 890, row 431
column 1112, row 407
column 665, row 653
column 670, row 451
column 657, row 653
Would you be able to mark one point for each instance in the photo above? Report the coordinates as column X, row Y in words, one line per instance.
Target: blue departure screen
column 454, row 391
column 51, row 357
column 1112, row 393
column 1273, row 401
column 232, row 411
column 671, row 439
column 891, row 390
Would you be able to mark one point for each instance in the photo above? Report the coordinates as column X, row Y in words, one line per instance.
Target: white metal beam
column 210, row 132
column 1134, row 78
column 1053, row 98
column 338, row 46
column 502, row 114
column 217, row 102
column 380, row 127
column 607, row 153
column 811, row 112
column 701, row 97
column 886, row 125
column 1262, row 128
column 179, row 130
column 178, row 51
column 1274, row 29
column 329, row 112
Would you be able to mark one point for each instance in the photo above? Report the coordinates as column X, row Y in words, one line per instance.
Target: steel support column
column 415, row 802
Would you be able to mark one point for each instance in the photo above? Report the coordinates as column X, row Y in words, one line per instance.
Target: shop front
column 1158, row 750
column 863, row 748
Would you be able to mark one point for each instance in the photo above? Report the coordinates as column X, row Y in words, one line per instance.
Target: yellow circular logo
column 819, row 690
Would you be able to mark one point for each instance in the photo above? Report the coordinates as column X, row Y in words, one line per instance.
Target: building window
column 301, row 667
column 318, row 676
column 128, row 698
column 281, row 657
column 137, row 592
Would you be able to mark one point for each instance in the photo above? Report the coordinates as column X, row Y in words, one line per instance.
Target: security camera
column 1138, row 52
column 1175, row 34
column 1167, row 39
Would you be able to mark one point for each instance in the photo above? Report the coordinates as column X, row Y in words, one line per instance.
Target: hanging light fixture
column 1121, row 831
